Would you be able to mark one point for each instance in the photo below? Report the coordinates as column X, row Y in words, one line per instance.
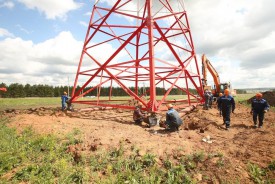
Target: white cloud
column 7, row 4
column 64, row 48
column 48, row 62
column 238, row 38
column 87, row 14
column 5, row 33
column 83, row 24
column 241, row 34
column 23, row 29
column 52, row 8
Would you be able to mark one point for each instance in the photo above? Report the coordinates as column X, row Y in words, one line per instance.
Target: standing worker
column 211, row 99
column 259, row 107
column 206, row 100
column 227, row 105
column 173, row 120
column 138, row 116
column 64, row 98
column 218, row 99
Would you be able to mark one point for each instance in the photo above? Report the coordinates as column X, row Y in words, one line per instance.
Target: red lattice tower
column 134, row 45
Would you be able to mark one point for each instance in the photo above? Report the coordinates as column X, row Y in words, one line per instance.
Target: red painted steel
column 3, row 89
column 138, row 43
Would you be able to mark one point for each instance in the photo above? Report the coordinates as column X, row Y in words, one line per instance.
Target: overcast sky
column 41, row 40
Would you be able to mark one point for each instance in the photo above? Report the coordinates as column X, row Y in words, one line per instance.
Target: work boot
column 227, row 126
column 255, row 125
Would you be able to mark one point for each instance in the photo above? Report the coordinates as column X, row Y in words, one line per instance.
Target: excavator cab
column 224, row 86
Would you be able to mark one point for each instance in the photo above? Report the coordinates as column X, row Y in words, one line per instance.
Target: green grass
column 262, row 175
column 25, row 103
column 33, row 158
column 243, row 97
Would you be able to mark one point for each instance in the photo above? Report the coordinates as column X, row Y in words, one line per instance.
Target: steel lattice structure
column 136, row 43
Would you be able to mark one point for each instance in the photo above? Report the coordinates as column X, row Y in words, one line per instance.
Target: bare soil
column 239, row 146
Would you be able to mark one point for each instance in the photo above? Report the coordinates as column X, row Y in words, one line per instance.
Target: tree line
column 16, row 90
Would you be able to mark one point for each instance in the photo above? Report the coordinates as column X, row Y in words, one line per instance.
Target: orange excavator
column 218, row 87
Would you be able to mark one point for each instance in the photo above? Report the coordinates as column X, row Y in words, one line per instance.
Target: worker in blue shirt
column 226, row 104
column 259, row 107
column 173, row 120
column 64, row 99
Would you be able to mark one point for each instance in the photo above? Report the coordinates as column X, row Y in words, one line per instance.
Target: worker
column 64, row 99
column 227, row 105
column 173, row 120
column 138, row 116
column 220, row 95
column 206, row 100
column 259, row 107
column 211, row 99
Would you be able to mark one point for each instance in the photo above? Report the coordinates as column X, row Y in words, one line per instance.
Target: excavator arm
column 206, row 65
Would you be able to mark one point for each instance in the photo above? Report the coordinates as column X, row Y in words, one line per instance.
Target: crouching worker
column 173, row 120
column 138, row 116
column 259, row 107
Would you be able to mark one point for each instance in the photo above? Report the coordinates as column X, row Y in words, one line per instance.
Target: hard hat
column 226, row 91
column 220, row 94
column 65, row 93
column 259, row 95
column 139, row 104
column 169, row 106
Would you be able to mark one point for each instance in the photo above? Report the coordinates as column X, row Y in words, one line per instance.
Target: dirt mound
column 269, row 96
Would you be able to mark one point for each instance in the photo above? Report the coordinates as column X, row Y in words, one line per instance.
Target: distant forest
column 16, row 90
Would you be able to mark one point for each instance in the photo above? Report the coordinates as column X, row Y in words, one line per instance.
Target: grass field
column 25, row 103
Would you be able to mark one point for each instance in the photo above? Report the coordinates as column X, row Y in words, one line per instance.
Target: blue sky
column 41, row 40
column 33, row 24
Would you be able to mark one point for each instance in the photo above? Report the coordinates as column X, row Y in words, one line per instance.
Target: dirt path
column 240, row 145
